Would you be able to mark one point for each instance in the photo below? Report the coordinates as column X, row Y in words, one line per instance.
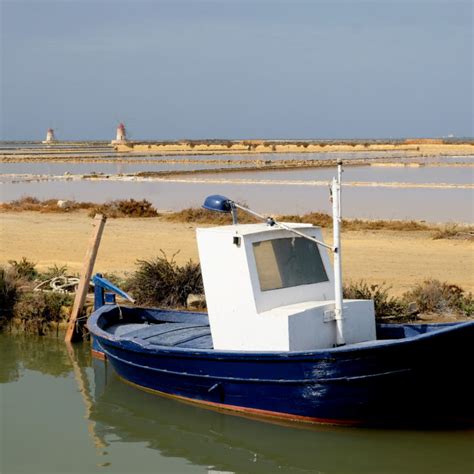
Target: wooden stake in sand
column 89, row 260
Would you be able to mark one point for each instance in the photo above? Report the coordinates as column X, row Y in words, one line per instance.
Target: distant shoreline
column 421, row 146
column 241, row 172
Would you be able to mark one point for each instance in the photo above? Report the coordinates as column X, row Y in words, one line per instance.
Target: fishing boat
column 278, row 339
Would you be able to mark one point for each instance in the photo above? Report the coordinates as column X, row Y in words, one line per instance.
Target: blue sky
column 236, row 69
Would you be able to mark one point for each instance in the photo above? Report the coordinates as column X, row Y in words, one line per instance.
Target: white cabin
column 268, row 289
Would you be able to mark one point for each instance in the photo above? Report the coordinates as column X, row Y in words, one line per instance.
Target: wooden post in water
column 85, row 390
column 89, row 260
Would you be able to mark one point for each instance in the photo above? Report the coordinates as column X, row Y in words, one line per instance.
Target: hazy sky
column 236, row 68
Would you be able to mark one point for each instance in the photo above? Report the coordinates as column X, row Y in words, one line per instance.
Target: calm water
column 60, row 412
column 58, row 168
column 401, row 174
column 430, row 204
column 435, row 205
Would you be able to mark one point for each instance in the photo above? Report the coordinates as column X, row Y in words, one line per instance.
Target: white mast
column 336, row 216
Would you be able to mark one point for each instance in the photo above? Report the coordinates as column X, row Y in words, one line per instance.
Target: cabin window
column 287, row 262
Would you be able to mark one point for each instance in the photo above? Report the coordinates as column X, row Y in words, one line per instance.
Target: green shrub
column 125, row 208
column 24, row 268
column 36, row 310
column 54, row 272
column 162, row 282
column 385, row 306
column 433, row 296
column 9, row 293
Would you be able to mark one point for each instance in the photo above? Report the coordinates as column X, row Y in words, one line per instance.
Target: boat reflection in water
column 223, row 442
column 122, row 422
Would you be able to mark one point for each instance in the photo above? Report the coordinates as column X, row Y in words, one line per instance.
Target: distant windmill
column 121, row 136
column 50, row 138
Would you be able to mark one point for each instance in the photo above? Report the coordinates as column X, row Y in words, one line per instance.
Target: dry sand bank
column 396, row 257
column 259, row 146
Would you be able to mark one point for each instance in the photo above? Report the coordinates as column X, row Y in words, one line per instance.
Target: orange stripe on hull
column 98, row 355
column 243, row 411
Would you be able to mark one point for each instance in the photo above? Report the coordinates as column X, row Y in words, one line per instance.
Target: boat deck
column 189, row 335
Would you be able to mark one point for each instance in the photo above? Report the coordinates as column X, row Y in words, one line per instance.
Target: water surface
column 434, row 205
column 59, row 168
column 400, row 174
column 60, row 412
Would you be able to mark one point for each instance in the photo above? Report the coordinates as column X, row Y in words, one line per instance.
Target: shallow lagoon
column 384, row 174
column 434, row 205
column 62, row 412
column 281, row 192
column 84, row 167
column 402, row 174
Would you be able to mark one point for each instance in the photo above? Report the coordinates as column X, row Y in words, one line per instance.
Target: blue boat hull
column 422, row 379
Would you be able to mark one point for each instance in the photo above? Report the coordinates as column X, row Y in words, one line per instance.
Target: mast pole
column 336, row 216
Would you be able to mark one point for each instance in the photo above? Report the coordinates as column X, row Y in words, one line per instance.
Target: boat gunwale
column 327, row 353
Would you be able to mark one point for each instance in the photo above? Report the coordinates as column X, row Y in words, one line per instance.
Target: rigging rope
column 59, row 284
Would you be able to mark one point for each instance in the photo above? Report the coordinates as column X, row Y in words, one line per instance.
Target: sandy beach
column 399, row 258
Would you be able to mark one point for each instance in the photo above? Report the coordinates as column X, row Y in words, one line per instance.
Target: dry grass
column 143, row 208
column 316, row 218
column 359, row 224
column 434, row 296
column 454, row 232
column 112, row 209
column 431, row 297
column 29, row 203
column 125, row 208
column 203, row 216
column 325, row 220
